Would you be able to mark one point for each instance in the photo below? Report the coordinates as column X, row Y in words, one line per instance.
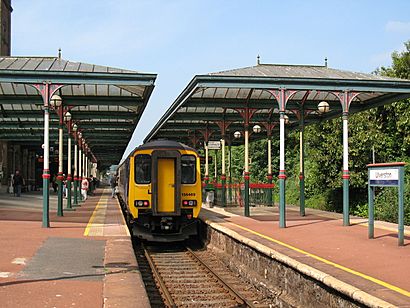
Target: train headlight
column 141, row 203
column 189, row 203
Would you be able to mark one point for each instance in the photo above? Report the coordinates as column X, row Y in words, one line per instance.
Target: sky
column 178, row 39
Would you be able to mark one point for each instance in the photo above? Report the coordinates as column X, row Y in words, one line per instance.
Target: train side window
column 143, row 169
column 188, row 169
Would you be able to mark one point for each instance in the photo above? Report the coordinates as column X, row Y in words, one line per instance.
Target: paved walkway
column 378, row 267
column 85, row 259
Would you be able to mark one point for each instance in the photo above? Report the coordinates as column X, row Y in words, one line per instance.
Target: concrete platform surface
column 85, row 259
column 318, row 244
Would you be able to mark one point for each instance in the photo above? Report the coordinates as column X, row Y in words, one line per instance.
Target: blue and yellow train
column 159, row 189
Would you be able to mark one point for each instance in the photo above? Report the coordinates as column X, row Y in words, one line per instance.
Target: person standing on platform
column 84, row 188
column 18, row 182
column 113, row 184
column 65, row 190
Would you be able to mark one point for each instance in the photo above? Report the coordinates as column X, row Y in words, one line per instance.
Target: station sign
column 214, row 145
column 384, row 177
column 386, row 174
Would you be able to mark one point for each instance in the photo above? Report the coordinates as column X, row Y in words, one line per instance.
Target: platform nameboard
column 214, row 145
column 384, row 177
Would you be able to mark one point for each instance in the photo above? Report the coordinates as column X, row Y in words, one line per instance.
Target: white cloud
column 398, row 27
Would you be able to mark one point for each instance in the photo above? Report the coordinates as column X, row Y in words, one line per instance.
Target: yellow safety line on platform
column 94, row 215
column 375, row 280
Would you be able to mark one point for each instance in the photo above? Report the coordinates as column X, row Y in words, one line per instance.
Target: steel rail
column 161, row 282
column 225, row 284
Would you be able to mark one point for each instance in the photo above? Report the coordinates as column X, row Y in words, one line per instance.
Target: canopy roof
column 106, row 103
column 212, row 99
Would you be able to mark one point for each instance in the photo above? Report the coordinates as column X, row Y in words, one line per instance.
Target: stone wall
column 291, row 288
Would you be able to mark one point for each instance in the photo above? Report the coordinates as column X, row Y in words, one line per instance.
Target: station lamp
column 75, row 127
column 56, row 101
column 67, row 116
column 256, row 128
column 323, row 107
column 237, row 134
column 286, row 119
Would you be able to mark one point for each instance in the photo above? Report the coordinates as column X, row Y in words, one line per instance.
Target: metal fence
column 235, row 194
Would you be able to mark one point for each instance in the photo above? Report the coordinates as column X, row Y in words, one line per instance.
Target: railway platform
column 85, row 259
column 374, row 272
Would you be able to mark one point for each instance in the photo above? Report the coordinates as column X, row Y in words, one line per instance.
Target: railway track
column 185, row 279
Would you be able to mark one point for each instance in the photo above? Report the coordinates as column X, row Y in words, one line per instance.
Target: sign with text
column 214, row 145
column 384, row 177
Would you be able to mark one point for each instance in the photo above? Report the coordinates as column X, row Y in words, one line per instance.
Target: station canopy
column 106, row 103
column 216, row 98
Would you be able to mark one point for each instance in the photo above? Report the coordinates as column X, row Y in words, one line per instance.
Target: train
column 160, row 191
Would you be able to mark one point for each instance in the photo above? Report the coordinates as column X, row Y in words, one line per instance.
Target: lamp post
column 80, row 164
column 75, row 128
column 56, row 103
column 67, row 119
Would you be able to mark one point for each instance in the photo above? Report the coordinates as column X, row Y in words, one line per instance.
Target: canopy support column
column 46, row 91
column 69, row 178
column 302, row 161
column 60, row 176
column 282, row 172
column 346, row 176
column 223, row 175
column 206, row 133
column 46, row 165
column 206, row 162
column 346, row 99
column 246, row 174
column 269, row 128
column 223, row 125
column 216, row 167
column 230, row 171
column 246, row 114
column 80, row 174
column 282, row 97
column 75, row 171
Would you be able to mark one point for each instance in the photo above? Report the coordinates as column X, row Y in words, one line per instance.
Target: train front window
column 188, row 169
column 143, row 169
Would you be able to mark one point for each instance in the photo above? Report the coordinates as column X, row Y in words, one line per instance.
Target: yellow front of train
column 164, row 191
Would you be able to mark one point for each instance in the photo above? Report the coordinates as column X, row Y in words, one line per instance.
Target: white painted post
column 246, row 150
column 223, row 155
column 269, row 156
column 206, row 160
